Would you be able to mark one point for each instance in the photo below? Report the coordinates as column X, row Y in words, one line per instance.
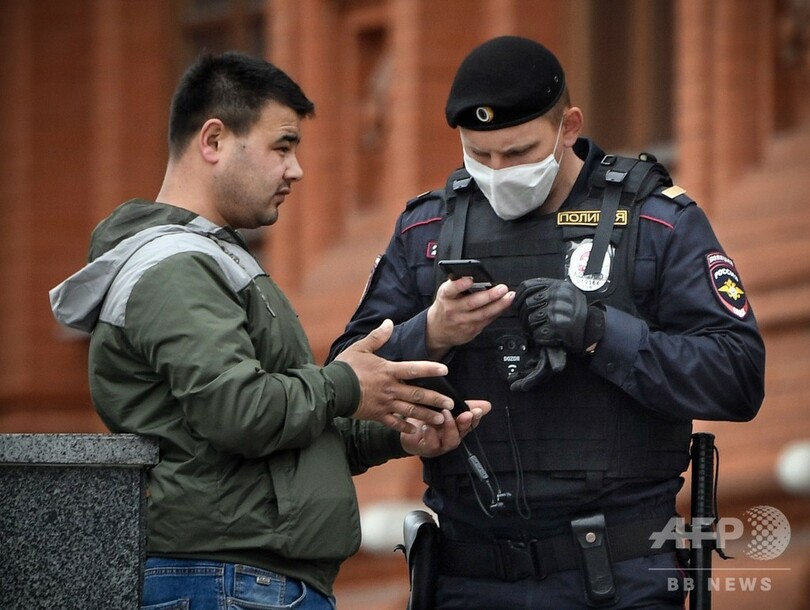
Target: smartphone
column 442, row 386
column 470, row 267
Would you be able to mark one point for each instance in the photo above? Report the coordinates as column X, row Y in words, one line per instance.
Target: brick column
column 742, row 83
column 694, row 75
column 723, row 108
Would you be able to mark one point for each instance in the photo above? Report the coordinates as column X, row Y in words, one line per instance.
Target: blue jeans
column 192, row 584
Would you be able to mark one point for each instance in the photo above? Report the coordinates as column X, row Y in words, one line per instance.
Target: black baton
column 703, row 519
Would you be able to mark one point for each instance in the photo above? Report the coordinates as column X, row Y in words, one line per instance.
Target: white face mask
column 515, row 191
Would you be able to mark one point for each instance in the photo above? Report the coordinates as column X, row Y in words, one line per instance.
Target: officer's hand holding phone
column 463, row 306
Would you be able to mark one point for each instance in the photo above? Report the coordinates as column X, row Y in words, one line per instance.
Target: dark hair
column 234, row 88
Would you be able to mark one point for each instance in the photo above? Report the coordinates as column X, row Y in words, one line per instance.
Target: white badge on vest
column 578, row 260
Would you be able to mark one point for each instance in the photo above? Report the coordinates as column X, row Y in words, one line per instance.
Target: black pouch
column 593, row 550
column 421, row 537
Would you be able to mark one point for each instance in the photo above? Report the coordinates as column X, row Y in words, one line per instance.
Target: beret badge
column 484, row 114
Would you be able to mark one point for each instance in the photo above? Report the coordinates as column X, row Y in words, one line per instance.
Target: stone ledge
column 78, row 449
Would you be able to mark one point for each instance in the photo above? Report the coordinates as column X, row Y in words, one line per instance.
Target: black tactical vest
column 576, row 425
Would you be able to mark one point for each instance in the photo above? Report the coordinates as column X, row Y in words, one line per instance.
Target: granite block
column 72, row 520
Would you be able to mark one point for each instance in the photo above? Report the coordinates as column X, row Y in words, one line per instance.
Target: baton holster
column 593, row 550
column 421, row 537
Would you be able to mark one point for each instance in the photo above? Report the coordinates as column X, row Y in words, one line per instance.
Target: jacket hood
column 130, row 218
column 77, row 301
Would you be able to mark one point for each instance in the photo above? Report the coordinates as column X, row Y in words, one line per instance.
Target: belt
column 512, row 560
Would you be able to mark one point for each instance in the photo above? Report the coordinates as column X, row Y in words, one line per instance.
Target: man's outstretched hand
column 385, row 397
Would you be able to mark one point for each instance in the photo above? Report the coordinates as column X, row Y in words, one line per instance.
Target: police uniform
column 580, row 470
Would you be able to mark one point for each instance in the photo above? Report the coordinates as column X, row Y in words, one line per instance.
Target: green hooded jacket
column 193, row 344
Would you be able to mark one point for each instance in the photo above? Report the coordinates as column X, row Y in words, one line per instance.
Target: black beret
column 503, row 82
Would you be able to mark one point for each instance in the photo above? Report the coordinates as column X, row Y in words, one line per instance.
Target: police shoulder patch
column 372, row 276
column 726, row 283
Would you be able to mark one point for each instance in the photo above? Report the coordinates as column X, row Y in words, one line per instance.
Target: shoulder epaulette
column 676, row 194
column 426, row 196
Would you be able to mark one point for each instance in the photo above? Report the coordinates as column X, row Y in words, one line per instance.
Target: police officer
column 616, row 319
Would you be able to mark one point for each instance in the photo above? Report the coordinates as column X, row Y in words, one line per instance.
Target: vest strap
column 451, row 235
column 614, row 182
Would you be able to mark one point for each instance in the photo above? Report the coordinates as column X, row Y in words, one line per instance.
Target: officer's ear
column 572, row 126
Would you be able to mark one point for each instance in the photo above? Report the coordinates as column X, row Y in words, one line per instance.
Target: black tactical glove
column 543, row 362
column 556, row 312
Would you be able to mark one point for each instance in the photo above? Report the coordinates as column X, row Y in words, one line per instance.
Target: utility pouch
column 421, row 537
column 593, row 550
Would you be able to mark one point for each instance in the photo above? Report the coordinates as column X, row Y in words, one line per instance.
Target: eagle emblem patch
column 726, row 283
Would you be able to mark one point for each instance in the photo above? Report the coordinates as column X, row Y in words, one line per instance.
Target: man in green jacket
column 193, row 344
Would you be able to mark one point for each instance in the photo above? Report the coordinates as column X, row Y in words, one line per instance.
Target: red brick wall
column 85, row 105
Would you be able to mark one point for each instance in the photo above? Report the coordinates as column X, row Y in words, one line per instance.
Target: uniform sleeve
column 698, row 354
column 186, row 321
column 401, row 289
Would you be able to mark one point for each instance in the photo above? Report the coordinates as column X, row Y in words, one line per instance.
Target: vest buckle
column 461, row 183
column 614, row 176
